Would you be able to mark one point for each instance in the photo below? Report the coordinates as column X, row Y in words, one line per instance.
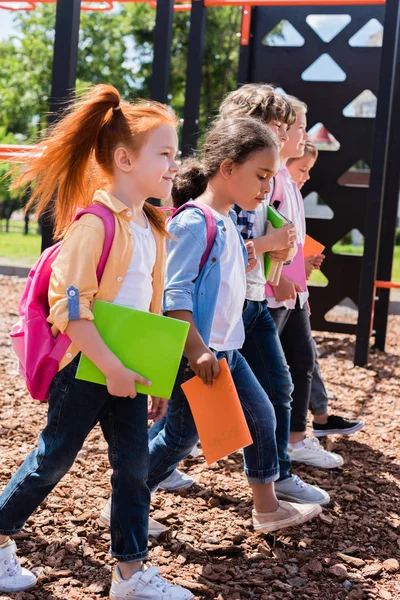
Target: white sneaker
column 13, row 577
column 195, row 451
column 286, row 515
column 312, row 453
column 176, row 480
column 146, row 585
column 155, row 528
column 295, row 489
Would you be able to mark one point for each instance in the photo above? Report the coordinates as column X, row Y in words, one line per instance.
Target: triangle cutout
column 316, row 208
column 322, row 138
column 317, row 279
column 351, row 244
column 346, row 311
column 357, row 176
column 328, row 26
column 324, row 69
column 364, row 106
column 369, row 36
column 283, row 34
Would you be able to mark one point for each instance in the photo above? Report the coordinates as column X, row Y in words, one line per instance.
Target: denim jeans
column 295, row 332
column 75, row 407
column 175, row 440
column 319, row 398
column 263, row 351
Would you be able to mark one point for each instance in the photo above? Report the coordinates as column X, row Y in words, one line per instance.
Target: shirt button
column 129, row 214
column 119, row 279
column 69, row 354
column 214, row 260
column 224, row 229
column 71, row 292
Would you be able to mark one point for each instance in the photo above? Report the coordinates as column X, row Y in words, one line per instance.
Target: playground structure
column 371, row 210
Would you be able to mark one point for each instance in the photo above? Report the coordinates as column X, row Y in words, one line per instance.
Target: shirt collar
column 107, row 199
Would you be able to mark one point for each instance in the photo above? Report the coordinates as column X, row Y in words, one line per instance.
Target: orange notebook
column 312, row 247
column 218, row 415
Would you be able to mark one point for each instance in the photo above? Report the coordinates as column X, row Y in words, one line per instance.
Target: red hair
column 77, row 155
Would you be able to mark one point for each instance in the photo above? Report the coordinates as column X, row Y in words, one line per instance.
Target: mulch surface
column 351, row 551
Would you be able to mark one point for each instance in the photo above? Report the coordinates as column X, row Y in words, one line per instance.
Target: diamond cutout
column 346, row 311
column 317, row 279
column 369, row 36
column 283, row 34
column 328, row 26
column 364, row 106
column 324, row 69
column 351, row 244
column 316, row 208
column 357, row 176
column 322, row 138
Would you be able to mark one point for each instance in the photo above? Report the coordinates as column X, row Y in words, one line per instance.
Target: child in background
column 289, row 308
column 262, row 347
column 238, row 159
column 323, row 422
column 129, row 149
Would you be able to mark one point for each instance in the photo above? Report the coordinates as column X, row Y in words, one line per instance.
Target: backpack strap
column 107, row 216
column 211, row 226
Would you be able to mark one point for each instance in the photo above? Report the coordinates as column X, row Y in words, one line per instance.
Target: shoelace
column 314, row 442
column 299, row 482
column 160, row 583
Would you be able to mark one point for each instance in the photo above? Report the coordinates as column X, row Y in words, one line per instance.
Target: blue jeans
column 174, row 441
column 75, row 407
column 263, row 351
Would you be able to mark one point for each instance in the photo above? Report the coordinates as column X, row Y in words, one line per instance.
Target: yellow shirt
column 77, row 262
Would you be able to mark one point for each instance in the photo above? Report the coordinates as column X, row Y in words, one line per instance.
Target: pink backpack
column 39, row 353
column 211, row 225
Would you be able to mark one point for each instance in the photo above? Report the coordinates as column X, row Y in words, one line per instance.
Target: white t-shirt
column 255, row 288
column 136, row 290
column 293, row 208
column 227, row 331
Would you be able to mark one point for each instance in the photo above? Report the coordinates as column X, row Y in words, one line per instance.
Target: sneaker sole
column 313, row 464
column 285, row 524
column 288, row 498
column 21, row 589
column 323, row 433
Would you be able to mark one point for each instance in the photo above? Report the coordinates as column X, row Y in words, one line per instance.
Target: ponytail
column 189, row 183
column 76, row 158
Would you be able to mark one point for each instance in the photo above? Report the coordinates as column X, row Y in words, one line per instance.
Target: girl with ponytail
column 109, row 152
column 238, row 159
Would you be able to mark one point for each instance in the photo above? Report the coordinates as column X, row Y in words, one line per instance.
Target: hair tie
column 117, row 107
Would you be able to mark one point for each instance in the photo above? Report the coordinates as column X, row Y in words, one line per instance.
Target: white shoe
column 295, row 489
column 146, row 585
column 155, row 528
column 176, row 480
column 13, row 577
column 195, row 451
column 312, row 453
column 286, row 515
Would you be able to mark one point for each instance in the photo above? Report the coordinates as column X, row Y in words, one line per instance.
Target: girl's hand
column 157, row 409
column 122, row 382
column 251, row 253
column 317, row 260
column 204, row 363
column 283, row 238
column 309, row 266
column 286, row 290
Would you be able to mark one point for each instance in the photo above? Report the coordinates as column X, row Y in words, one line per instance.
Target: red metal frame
column 387, row 285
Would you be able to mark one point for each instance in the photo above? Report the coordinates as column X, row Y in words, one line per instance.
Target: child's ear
column 122, row 159
column 227, row 168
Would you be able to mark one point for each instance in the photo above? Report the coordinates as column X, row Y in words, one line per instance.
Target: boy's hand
column 251, row 253
column 282, row 238
column 286, row 290
column 157, row 409
column 204, row 363
column 122, row 382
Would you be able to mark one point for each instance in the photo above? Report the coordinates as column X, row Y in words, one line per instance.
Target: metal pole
column 193, row 77
column 65, row 62
column 383, row 123
column 162, row 51
column 389, row 215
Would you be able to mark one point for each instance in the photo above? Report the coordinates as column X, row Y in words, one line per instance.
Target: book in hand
column 312, row 247
column 273, row 268
column 149, row 344
column 218, row 415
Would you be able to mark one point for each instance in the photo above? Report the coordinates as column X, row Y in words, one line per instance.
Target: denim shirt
column 185, row 288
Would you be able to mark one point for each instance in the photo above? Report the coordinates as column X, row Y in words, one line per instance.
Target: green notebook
column 277, row 220
column 151, row 345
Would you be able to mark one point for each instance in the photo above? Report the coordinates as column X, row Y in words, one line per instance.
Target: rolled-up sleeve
column 184, row 254
column 73, row 282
